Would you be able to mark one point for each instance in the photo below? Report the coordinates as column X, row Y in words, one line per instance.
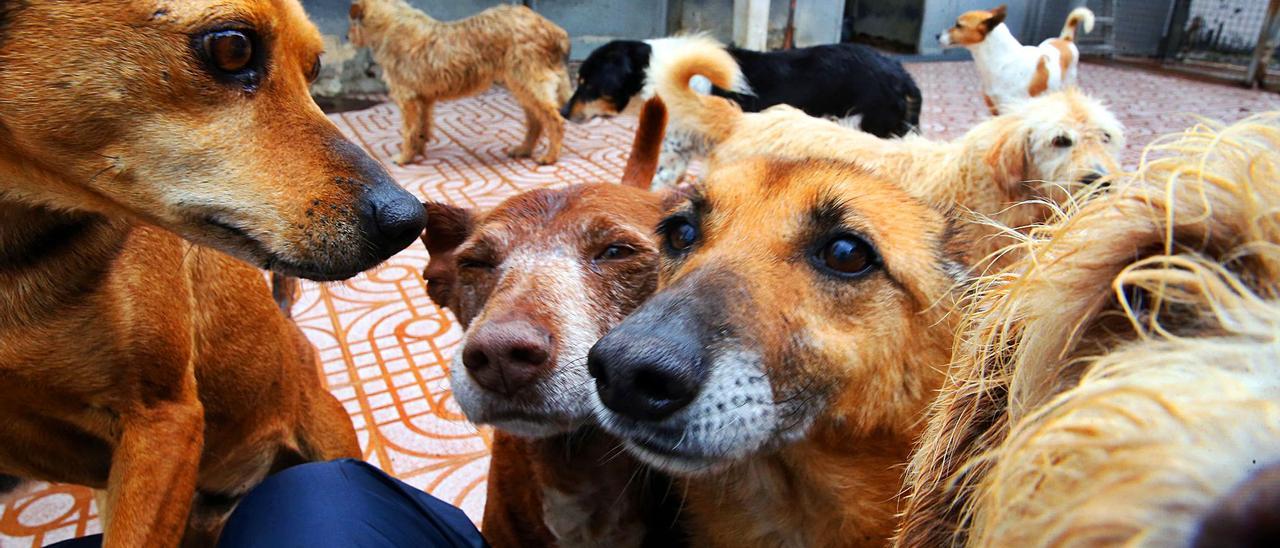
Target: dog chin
column 532, row 427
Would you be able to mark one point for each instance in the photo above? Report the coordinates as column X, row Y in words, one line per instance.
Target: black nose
column 647, row 377
column 567, row 110
column 398, row 217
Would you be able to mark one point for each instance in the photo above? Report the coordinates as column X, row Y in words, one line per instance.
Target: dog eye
column 615, row 252
column 315, row 70
column 848, row 256
column 680, row 234
column 230, row 50
column 1062, row 141
column 1106, row 137
column 475, row 264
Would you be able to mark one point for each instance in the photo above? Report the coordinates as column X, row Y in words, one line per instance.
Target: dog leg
column 673, row 161
column 553, row 124
column 414, row 135
column 153, row 471
column 532, row 130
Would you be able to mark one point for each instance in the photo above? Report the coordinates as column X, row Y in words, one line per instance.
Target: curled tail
column 674, row 63
column 1076, row 18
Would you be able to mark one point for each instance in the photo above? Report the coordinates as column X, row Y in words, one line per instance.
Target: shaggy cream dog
column 1118, row 385
column 424, row 61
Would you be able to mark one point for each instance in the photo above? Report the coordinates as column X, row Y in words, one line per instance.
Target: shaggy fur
column 425, row 61
column 1011, row 72
column 1011, row 168
column 1115, row 384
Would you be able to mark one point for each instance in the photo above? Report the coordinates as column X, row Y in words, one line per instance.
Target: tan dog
column 1118, row 386
column 424, row 61
column 1033, row 154
column 799, row 331
column 536, row 281
column 133, row 361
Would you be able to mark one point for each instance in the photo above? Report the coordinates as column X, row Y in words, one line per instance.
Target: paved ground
column 385, row 346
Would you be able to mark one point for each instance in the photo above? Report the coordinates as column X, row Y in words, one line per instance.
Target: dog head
column 972, row 27
column 607, row 81
column 1044, row 144
column 535, row 282
column 194, row 116
column 792, row 295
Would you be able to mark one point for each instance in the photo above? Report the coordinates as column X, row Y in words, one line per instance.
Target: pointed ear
column 1008, row 155
column 356, row 12
column 997, row 17
column 447, row 228
column 642, row 164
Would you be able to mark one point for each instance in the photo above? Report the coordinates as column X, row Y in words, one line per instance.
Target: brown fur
column 1040, row 80
column 425, row 61
column 972, row 27
column 132, row 361
column 843, row 343
column 569, row 488
column 1130, row 350
column 1066, row 56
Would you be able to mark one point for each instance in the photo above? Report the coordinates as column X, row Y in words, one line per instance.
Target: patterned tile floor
column 385, row 346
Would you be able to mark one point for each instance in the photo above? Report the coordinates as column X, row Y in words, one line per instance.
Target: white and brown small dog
column 1010, row 71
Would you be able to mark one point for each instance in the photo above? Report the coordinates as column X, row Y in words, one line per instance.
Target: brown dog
column 535, row 282
column 132, row 361
column 800, row 328
column 424, row 61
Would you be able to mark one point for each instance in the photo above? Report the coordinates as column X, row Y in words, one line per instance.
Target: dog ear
column 356, row 12
column 1008, row 156
column 642, row 164
column 997, row 17
column 447, row 228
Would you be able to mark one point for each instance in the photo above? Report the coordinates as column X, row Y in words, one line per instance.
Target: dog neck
column 591, row 495
column 835, row 488
column 998, row 44
column 50, row 259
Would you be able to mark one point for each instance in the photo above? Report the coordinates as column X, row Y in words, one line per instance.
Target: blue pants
column 344, row 503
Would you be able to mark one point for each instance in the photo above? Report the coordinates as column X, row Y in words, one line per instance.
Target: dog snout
column 506, row 356
column 1098, row 171
column 397, row 217
column 566, row 111
column 647, row 377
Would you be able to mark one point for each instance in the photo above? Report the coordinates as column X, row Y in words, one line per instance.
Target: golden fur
column 1116, row 383
column 828, row 473
column 424, row 60
column 132, row 360
column 1009, row 168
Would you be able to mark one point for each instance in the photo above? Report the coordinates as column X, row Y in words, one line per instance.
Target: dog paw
column 402, row 161
column 520, row 152
column 545, row 160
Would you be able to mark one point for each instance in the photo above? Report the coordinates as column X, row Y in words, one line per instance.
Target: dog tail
column 1078, row 16
column 642, row 164
column 671, row 68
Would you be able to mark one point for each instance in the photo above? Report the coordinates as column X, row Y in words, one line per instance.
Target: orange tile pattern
column 385, row 346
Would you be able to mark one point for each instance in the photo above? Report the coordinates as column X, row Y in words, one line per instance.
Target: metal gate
column 1229, row 39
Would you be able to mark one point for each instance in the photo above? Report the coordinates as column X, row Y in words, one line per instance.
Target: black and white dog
column 855, row 83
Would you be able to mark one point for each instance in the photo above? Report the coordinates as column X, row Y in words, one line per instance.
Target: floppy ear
column 642, row 164
column 997, row 17
column 447, row 228
column 1008, row 155
column 356, row 12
